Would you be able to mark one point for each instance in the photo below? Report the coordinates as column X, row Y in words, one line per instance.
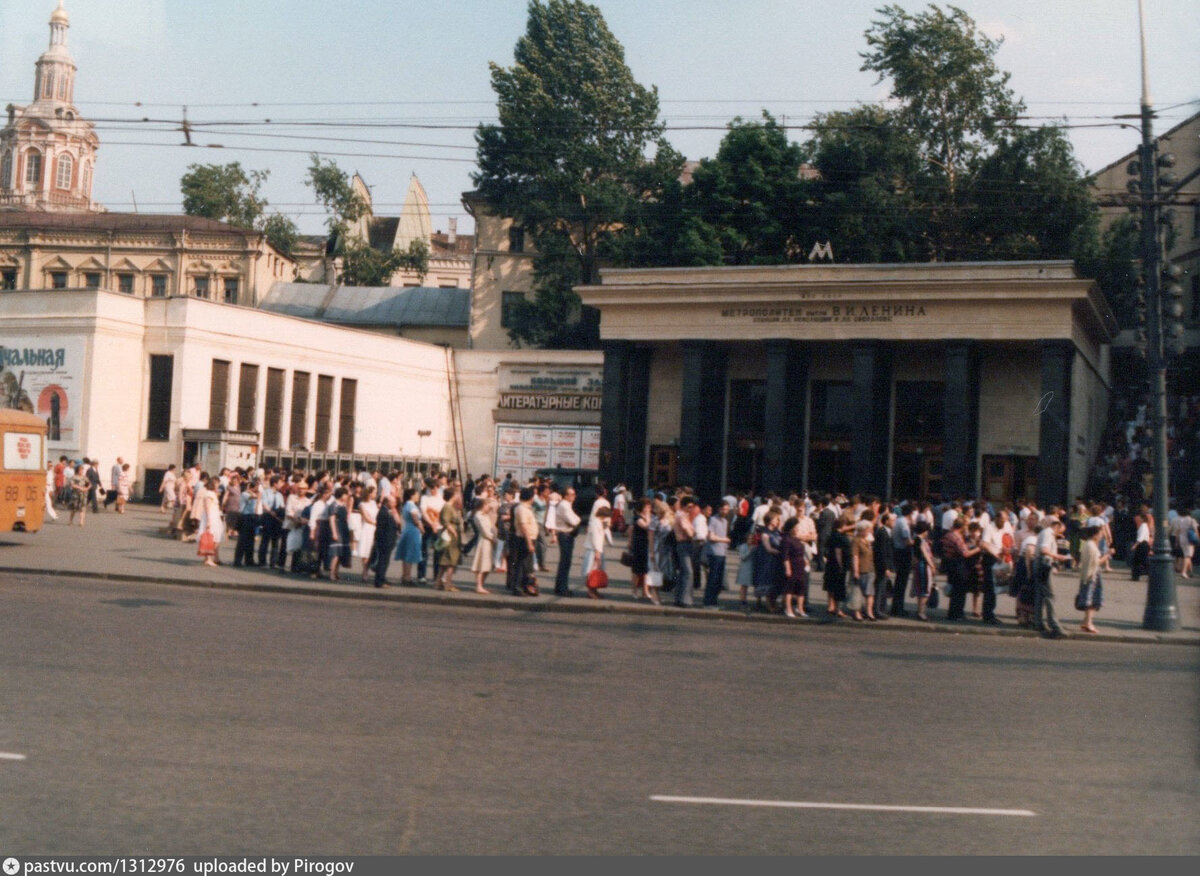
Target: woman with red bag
column 597, row 531
column 212, row 524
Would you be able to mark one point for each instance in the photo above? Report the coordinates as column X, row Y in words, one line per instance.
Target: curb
column 559, row 605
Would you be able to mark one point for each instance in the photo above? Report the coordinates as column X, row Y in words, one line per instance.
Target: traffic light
column 1172, row 308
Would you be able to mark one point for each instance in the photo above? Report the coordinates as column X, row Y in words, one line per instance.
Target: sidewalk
column 134, row 547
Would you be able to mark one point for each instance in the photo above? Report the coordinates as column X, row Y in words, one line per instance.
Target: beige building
column 906, row 380
column 449, row 251
column 501, row 273
column 144, row 256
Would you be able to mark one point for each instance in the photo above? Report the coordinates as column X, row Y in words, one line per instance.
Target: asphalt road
column 163, row 720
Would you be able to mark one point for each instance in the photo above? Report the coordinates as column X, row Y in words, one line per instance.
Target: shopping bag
column 597, row 579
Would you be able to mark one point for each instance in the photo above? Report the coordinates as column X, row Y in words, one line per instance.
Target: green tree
column 863, row 201
column 224, row 192
column 568, row 159
column 1112, row 259
column 362, row 265
column 751, row 193
column 952, row 98
column 281, row 233
column 332, row 187
column 1028, row 199
column 946, row 173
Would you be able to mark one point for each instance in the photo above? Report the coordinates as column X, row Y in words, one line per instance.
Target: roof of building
column 43, row 219
column 371, row 305
column 463, row 245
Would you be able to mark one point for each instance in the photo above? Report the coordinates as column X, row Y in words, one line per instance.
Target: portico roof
column 1027, row 300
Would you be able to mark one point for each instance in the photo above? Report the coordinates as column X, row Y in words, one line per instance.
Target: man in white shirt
column 993, row 547
column 1043, row 588
column 562, row 520
column 430, row 506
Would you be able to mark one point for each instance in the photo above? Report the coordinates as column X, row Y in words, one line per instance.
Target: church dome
column 59, row 16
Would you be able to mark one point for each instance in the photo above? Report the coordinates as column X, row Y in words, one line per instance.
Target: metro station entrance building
column 908, row 381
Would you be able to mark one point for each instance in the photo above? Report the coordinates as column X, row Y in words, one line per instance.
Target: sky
column 387, row 63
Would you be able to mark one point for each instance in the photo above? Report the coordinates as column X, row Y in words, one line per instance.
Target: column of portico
column 787, row 382
column 623, row 414
column 614, row 404
column 1054, row 433
column 961, row 419
column 702, row 417
column 637, row 419
column 871, row 398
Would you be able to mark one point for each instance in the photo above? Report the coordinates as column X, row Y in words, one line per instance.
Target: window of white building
column 33, row 167
column 66, row 168
column 6, row 170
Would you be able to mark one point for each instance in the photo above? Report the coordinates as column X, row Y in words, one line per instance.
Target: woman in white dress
column 293, row 523
column 485, row 525
column 212, row 521
column 368, row 510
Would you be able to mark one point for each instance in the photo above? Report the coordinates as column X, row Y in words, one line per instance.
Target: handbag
column 932, row 602
column 1081, row 597
column 597, row 579
column 1003, row 574
column 443, row 540
column 654, row 578
column 206, row 546
column 626, row 558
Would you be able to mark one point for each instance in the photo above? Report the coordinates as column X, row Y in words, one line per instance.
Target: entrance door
column 663, row 459
column 917, row 475
column 829, row 468
column 997, row 478
column 1009, row 478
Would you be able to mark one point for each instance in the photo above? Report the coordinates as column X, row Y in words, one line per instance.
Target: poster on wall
column 523, row 450
column 43, row 375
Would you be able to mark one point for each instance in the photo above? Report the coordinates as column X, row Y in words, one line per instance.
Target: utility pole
column 1162, row 608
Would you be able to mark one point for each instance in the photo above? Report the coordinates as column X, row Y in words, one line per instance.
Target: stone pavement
column 135, row 547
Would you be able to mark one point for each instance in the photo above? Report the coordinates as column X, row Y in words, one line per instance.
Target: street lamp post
column 1162, row 611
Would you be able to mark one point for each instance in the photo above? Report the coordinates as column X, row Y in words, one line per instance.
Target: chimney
column 452, row 235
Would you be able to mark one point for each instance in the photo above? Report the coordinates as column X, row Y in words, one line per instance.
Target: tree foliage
column 952, row 96
column 362, row 264
column 224, row 192
column 568, row 158
column 864, row 201
column 332, row 187
column 752, row 195
column 944, row 172
column 281, row 233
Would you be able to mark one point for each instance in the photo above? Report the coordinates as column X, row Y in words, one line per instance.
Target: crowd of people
column 1123, row 465
column 76, row 485
column 873, row 559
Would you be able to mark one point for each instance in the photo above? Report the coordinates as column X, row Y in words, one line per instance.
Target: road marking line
column 4, row 755
column 789, row 804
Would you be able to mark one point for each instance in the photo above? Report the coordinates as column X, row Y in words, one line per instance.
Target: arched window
column 86, row 191
column 33, row 167
column 6, row 170
column 62, row 87
column 48, row 84
column 66, row 166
